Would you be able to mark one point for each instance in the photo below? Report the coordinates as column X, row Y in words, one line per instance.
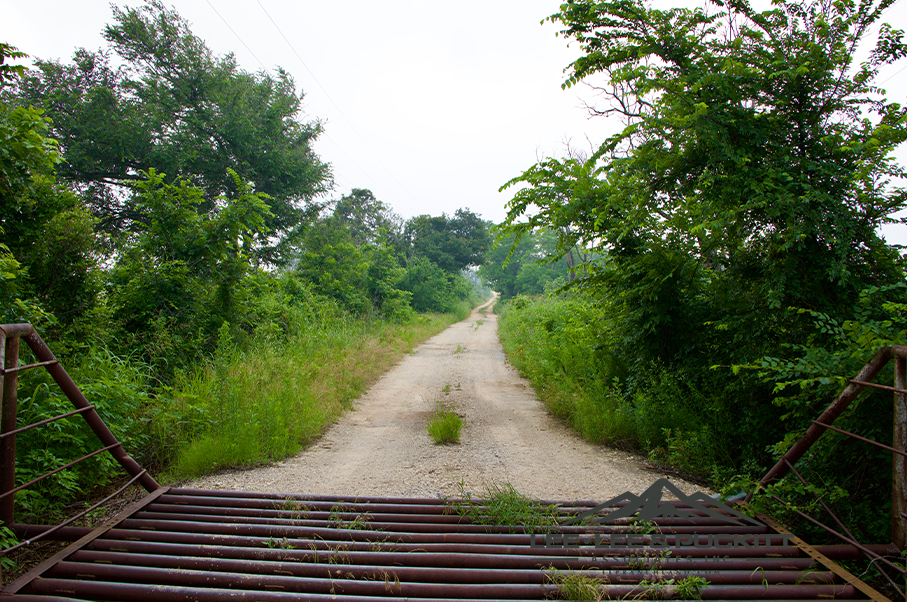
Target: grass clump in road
column 502, row 505
column 444, row 426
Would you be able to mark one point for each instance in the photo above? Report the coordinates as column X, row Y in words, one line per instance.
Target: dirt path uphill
column 383, row 448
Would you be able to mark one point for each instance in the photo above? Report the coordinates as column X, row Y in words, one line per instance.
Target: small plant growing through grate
column 574, row 585
column 336, row 520
column 504, row 506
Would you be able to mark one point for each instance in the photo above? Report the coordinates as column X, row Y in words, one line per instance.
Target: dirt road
column 508, row 436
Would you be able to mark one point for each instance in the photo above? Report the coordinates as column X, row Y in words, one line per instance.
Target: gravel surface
column 383, row 447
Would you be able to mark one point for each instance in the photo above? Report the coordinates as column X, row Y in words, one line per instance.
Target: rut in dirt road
column 383, row 447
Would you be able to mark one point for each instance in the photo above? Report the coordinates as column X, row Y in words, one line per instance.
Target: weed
column 336, row 521
column 7, row 540
column 460, row 349
column 444, row 426
column 283, row 543
column 504, row 505
column 576, row 586
column 475, row 326
column 446, row 388
column 645, row 527
column 689, row 588
column 297, row 510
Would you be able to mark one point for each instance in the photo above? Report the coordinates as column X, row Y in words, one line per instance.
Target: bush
column 444, row 426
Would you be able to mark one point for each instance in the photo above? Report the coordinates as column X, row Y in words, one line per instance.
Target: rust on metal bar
column 56, row 470
column 5, row 371
column 848, row 540
column 899, row 465
column 10, row 331
column 858, row 437
column 43, row 353
column 65, row 534
column 850, row 392
column 824, row 505
column 43, row 422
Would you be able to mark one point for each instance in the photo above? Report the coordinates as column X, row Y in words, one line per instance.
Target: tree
column 49, row 244
column 175, row 107
column 754, row 169
column 178, row 276
column 367, row 219
column 451, row 243
column 526, row 267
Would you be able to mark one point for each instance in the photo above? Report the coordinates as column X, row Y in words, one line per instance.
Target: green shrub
column 444, row 427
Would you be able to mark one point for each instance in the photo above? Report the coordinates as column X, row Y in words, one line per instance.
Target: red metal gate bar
column 56, row 470
column 859, row 438
column 70, row 520
column 850, row 541
column 43, row 422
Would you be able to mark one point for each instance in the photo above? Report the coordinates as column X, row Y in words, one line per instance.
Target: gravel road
column 383, row 448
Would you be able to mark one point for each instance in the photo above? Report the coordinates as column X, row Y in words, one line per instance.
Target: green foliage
column 162, row 277
column 521, row 268
column 178, row 276
column 752, row 176
column 272, row 396
column 444, row 426
column 502, row 505
column 175, row 107
column 119, row 390
column 575, row 585
column 451, row 243
column 7, row 540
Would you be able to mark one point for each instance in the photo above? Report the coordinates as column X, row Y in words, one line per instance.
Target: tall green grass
column 566, row 347
column 270, row 399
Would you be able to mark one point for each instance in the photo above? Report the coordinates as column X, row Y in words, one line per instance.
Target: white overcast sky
column 433, row 106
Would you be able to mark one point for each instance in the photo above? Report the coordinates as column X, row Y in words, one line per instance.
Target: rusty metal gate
column 186, row 544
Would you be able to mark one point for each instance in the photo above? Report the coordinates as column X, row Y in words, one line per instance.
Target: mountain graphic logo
column 649, row 506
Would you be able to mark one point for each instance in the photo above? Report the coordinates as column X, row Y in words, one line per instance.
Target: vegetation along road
column 383, row 447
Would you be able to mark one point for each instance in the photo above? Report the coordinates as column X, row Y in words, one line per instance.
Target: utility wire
column 236, row 34
column 324, row 134
column 328, row 96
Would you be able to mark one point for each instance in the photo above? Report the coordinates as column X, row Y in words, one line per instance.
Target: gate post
column 899, row 462
column 9, row 359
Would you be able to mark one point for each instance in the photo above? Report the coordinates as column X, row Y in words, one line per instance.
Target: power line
column 236, row 34
column 328, row 96
column 324, row 134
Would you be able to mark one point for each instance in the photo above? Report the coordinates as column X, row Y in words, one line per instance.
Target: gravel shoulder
column 382, row 446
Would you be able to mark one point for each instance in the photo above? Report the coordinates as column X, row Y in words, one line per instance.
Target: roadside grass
column 444, row 426
column 271, row 399
column 502, row 505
